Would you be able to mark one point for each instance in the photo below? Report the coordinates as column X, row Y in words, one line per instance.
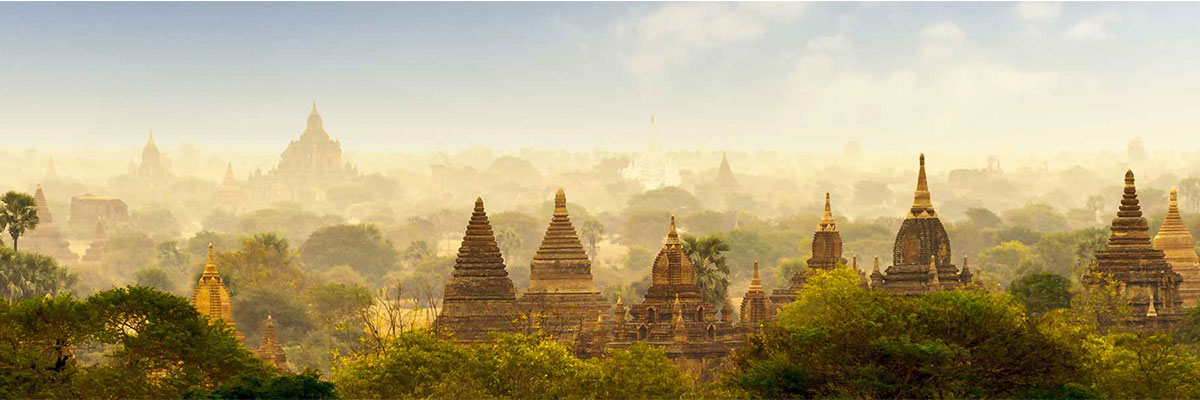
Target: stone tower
column 151, row 168
column 755, row 307
column 561, row 296
column 726, row 182
column 1178, row 245
column 230, row 196
column 1150, row 285
column 269, row 350
column 479, row 298
column 921, row 238
column 46, row 238
column 826, row 255
column 211, row 298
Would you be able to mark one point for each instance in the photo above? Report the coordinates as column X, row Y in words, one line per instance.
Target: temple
column 46, row 238
column 1178, row 245
column 1149, row 284
column 673, row 315
column 651, row 167
column 88, row 209
column 826, row 255
column 755, row 306
column 211, row 298
column 99, row 244
column 921, row 254
column 562, row 297
column 230, row 196
column 725, row 180
column 306, row 168
column 269, row 350
column 479, row 297
column 151, row 168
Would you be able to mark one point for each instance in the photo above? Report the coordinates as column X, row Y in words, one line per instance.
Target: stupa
column 1178, row 245
column 726, row 181
column 151, row 168
column 46, row 238
column 755, row 306
column 479, row 297
column 230, row 196
column 562, row 297
column 921, row 258
column 269, row 350
column 99, row 245
column 651, row 167
column 212, row 299
column 1150, row 285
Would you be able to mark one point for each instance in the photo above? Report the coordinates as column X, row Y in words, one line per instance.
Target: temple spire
column 934, row 281
column 672, row 234
column 922, row 204
column 755, row 282
column 1150, row 311
column 210, row 269
column 826, row 223
column 875, row 269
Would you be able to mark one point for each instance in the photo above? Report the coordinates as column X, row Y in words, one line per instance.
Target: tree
column 263, row 261
column 361, row 246
column 305, row 385
column 18, row 214
column 839, row 339
column 508, row 240
column 1041, row 292
column 155, row 278
column 28, row 275
column 712, row 269
column 37, row 346
column 983, row 217
column 645, row 228
column 591, row 231
column 639, row 372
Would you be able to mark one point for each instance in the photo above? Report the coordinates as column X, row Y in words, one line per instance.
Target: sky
column 1036, row 77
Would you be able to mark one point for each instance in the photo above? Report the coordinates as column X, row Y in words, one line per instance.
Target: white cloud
column 1037, row 11
column 931, row 96
column 674, row 33
column 1095, row 26
column 838, row 43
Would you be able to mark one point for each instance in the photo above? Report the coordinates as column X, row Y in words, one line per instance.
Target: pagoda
column 921, row 254
column 307, row 167
column 1149, row 284
column 479, row 297
column 725, row 181
column 826, row 255
column 1178, row 245
column 674, row 317
column 755, row 306
column 99, row 244
column 46, row 238
column 651, row 167
column 561, row 296
column 151, row 168
column 229, row 195
column 212, row 299
column 269, row 350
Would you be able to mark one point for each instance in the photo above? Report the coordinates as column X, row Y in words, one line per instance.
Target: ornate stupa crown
column 922, row 206
column 827, row 224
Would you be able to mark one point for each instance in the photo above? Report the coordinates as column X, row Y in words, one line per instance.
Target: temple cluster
column 1157, row 278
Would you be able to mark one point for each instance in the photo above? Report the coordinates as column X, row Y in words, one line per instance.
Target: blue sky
column 414, row 76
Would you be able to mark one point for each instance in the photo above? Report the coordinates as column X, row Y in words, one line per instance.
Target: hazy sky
column 413, row 76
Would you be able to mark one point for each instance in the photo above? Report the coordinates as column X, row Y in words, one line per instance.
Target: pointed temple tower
column 725, row 181
column 674, row 317
column 1177, row 243
column 46, row 238
column 229, row 195
column 561, row 296
column 755, row 307
column 307, row 167
column 826, row 255
column 269, row 350
column 151, row 168
column 211, row 298
column 479, row 298
column 99, row 244
column 1150, row 285
column 921, row 238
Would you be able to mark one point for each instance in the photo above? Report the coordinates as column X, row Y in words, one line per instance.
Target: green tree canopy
column 361, row 246
column 18, row 213
column 1041, row 292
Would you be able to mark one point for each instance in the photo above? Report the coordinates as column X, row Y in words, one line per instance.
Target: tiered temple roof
column 755, row 307
column 826, row 255
column 46, row 238
column 479, row 297
column 151, row 168
column 269, row 350
column 1150, row 285
column 212, row 299
column 921, row 238
column 1178, row 245
column 561, row 295
column 726, row 181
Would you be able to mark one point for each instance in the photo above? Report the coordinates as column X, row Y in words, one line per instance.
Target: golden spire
column 1150, row 311
column 875, row 269
column 755, row 282
column 672, row 234
column 922, row 206
column 827, row 224
column 210, row 269
column 933, row 271
column 560, row 203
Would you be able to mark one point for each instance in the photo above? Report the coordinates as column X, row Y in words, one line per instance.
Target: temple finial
column 933, row 271
column 826, row 223
column 210, row 253
column 875, row 269
column 560, row 201
column 314, row 109
column 755, row 282
column 672, row 235
column 922, row 204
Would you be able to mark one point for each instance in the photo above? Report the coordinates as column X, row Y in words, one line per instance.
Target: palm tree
column 18, row 214
column 712, row 269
